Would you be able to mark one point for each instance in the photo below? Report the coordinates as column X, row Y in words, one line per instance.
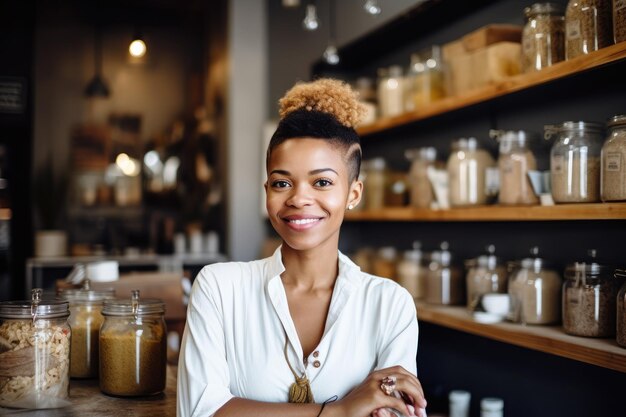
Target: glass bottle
column 589, row 299
column 85, row 321
column 485, row 275
column 411, row 274
column 421, row 192
column 588, row 26
column 467, row 166
column 575, row 161
column 34, row 353
column 515, row 160
column 543, row 36
column 613, row 175
column 391, row 91
column 444, row 283
column 535, row 292
column 375, row 184
column 133, row 347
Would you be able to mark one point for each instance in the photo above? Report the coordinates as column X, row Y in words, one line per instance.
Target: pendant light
column 137, row 47
column 310, row 21
column 331, row 55
column 97, row 86
column 372, row 7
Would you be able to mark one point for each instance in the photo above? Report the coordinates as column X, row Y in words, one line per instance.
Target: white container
column 104, row 271
column 491, row 407
column 50, row 243
column 459, row 403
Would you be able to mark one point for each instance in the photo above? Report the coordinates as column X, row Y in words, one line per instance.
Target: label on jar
column 613, row 161
column 492, row 180
column 572, row 29
column 557, row 164
column 619, row 4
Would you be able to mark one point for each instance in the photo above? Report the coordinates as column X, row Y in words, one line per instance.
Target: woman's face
column 308, row 192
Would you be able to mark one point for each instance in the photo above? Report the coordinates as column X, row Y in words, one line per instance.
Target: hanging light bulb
column 137, row 48
column 372, row 7
column 310, row 21
column 331, row 56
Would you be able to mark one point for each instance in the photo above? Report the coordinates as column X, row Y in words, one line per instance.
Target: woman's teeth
column 303, row 221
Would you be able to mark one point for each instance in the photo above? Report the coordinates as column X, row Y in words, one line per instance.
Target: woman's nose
column 300, row 196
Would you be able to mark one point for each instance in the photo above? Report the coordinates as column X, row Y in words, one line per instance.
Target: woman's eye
column 323, row 182
column 280, row 184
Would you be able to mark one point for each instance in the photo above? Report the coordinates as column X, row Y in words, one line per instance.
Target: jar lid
column 133, row 306
column 589, row 268
column 595, row 127
column 424, row 154
column 544, row 8
column 83, row 295
column 446, row 256
column 510, row 137
column 465, row 144
column 491, row 404
column 387, row 252
column 618, row 120
column 376, row 164
column 35, row 308
column 459, row 396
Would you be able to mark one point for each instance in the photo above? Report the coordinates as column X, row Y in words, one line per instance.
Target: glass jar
column 535, row 292
column 467, row 166
column 613, row 176
column 384, row 264
column 425, row 79
column 619, row 20
column 588, row 26
column 589, row 300
column 515, row 160
column 133, row 347
column 421, row 191
column 575, row 161
column 543, row 36
column 34, row 353
column 444, row 282
column 485, row 275
column 621, row 311
column 85, row 321
column 375, row 184
column 411, row 274
column 367, row 97
column 391, row 91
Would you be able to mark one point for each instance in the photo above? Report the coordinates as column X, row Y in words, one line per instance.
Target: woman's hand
column 368, row 397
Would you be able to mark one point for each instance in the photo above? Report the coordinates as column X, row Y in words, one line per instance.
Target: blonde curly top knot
column 324, row 95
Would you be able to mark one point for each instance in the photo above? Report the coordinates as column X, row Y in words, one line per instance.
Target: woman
column 305, row 325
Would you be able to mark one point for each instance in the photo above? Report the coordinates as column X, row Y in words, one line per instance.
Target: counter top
column 88, row 401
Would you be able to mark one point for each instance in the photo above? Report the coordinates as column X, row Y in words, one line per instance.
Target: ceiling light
column 137, row 48
column 372, row 7
column 310, row 21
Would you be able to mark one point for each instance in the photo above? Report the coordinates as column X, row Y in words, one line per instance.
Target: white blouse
column 238, row 319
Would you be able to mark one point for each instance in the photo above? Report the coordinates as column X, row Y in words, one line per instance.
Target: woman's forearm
column 240, row 407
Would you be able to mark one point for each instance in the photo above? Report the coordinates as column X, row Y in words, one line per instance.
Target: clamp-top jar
column 613, row 177
column 515, row 160
column 34, row 353
column 588, row 26
column 421, row 192
column 485, row 275
column 543, row 36
column 444, row 283
column 575, row 161
column 133, row 347
column 467, row 172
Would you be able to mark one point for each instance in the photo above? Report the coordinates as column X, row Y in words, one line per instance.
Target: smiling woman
column 305, row 325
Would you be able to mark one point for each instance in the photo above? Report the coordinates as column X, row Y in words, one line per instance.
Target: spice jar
column 543, row 36
column 619, row 20
column 384, row 264
column 390, row 91
column 34, row 353
column 375, row 183
column 589, row 297
column 485, row 275
column 467, row 166
column 421, row 192
column 575, row 161
column 621, row 311
column 588, row 26
column 535, row 292
column 411, row 274
column 613, row 175
column 85, row 321
column 133, row 347
column 515, row 160
column 444, row 283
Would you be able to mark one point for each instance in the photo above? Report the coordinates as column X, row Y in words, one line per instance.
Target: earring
column 350, row 207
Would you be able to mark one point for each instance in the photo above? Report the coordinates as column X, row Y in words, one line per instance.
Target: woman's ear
column 354, row 194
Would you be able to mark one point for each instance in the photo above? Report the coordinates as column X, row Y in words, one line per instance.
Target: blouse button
column 316, row 354
column 317, row 364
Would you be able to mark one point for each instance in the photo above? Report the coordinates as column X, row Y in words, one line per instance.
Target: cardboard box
column 491, row 34
column 496, row 63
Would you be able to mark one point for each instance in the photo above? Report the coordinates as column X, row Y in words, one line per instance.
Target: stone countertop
column 88, row 401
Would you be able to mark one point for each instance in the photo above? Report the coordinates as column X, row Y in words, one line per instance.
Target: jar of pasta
column 543, row 36
column 485, row 275
column 613, row 175
column 421, row 192
column 575, row 161
column 467, row 170
column 515, row 160
column 133, row 347
column 34, row 353
column 85, row 321
column 588, row 26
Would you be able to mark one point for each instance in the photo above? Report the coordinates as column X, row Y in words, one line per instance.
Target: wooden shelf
column 595, row 211
column 608, row 55
column 549, row 339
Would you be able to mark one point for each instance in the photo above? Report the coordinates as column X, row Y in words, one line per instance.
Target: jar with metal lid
column 613, row 175
column 85, row 321
column 391, row 91
column 375, row 183
column 588, row 26
column 485, row 275
column 515, row 160
column 444, row 281
column 621, row 310
column 467, row 166
column 410, row 272
column 543, row 36
column 133, row 349
column 589, row 299
column 535, row 291
column 619, row 20
column 421, row 192
column 34, row 353
column 575, row 161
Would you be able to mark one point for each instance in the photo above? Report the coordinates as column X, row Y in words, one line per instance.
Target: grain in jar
column 575, row 161
column 543, row 36
column 588, row 26
column 421, row 192
column 619, row 20
column 411, row 273
column 391, row 91
column 613, row 174
column 485, row 275
column 515, row 160
column 444, row 281
column 467, row 167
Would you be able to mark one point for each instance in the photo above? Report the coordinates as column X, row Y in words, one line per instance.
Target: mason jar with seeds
column 619, row 20
column 587, row 26
column 543, row 36
column 613, row 174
